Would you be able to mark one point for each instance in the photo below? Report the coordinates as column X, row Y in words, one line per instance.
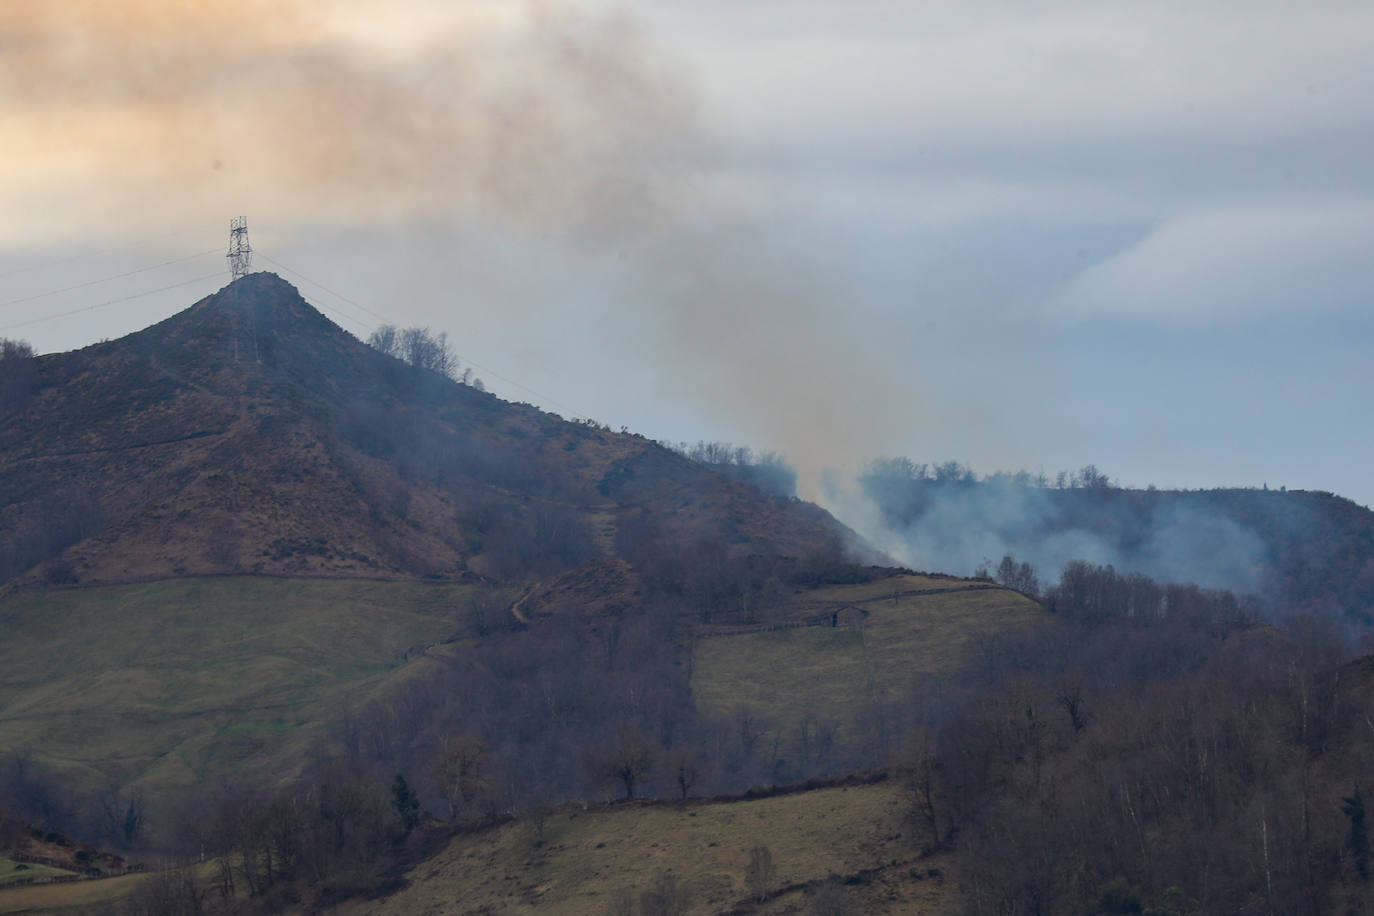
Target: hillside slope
column 845, row 841
column 183, row 682
column 841, row 652
column 843, row 844
column 223, row 534
column 1301, row 550
column 248, row 434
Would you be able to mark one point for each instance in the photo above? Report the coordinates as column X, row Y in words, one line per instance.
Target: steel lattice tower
column 240, row 252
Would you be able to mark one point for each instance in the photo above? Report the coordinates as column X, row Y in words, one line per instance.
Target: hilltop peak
column 261, row 287
column 269, row 303
column 258, row 325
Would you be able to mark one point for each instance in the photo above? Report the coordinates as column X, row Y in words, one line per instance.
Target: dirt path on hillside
column 515, row 608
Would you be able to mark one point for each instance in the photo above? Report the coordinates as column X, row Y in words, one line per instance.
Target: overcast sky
column 1028, row 235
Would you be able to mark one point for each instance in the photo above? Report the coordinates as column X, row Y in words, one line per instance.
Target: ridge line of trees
column 767, row 470
column 423, row 349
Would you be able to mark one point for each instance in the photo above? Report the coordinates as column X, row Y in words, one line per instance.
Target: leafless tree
column 169, row 891
column 761, row 875
column 685, row 768
column 122, row 811
column 921, row 781
column 17, row 372
column 460, row 769
column 629, row 760
column 422, row 349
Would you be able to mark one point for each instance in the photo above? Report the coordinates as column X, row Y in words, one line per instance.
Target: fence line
column 81, row 874
column 44, row 879
column 825, row 619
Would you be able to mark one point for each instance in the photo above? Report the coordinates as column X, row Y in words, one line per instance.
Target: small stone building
column 848, row 616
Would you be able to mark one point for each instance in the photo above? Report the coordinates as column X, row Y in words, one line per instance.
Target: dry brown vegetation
column 579, row 860
column 248, row 434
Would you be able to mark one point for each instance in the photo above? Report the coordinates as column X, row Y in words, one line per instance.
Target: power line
column 141, row 270
column 331, row 292
column 101, row 305
column 345, row 316
column 91, row 254
column 337, row 295
column 340, row 296
column 494, row 374
column 382, row 318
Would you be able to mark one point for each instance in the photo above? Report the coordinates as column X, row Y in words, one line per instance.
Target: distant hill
column 249, row 434
column 1298, row 550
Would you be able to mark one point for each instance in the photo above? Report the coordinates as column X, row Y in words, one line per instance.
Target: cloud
column 964, row 75
column 1244, row 263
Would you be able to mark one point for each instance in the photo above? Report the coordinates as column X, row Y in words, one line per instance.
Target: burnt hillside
column 249, row 434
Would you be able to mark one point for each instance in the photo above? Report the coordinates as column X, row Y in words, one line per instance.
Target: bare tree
column 685, row 768
column 12, row 829
column 459, row 768
column 122, row 813
column 17, row 371
column 168, row 891
column 1090, row 478
column 386, row 339
column 14, row 350
column 405, row 803
column 1020, row 576
column 1069, row 693
column 422, row 349
column 629, row 760
column 761, row 876
column 921, row 781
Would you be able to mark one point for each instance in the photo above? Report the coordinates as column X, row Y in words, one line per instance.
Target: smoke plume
column 957, row 526
column 338, row 113
column 536, row 120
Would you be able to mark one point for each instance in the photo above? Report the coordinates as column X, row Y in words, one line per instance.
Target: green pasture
column 168, row 683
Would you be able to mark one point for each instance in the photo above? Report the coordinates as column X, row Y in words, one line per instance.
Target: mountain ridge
column 249, row 434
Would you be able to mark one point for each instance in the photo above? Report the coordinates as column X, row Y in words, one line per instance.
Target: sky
column 1019, row 235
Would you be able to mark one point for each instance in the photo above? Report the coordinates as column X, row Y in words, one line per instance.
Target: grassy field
column 828, row 673
column 852, row 838
column 12, row 871
column 866, row 592
column 587, row 856
column 174, row 682
column 73, row 897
